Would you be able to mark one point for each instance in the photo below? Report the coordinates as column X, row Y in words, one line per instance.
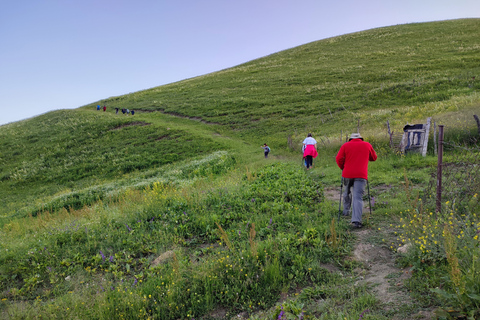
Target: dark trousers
column 309, row 161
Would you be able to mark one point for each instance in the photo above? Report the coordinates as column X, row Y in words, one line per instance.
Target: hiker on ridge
column 353, row 158
column 266, row 150
column 309, row 150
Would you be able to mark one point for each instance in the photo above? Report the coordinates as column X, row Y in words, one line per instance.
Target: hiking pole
column 369, row 198
column 340, row 202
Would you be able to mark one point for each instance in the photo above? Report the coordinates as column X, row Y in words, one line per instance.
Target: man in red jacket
column 353, row 159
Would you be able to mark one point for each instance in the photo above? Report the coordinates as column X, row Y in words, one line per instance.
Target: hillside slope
column 65, row 151
column 174, row 213
column 323, row 87
column 329, row 81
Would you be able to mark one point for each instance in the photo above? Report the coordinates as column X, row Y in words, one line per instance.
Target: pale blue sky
column 59, row 54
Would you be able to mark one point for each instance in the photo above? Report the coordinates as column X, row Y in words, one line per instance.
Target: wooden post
column 478, row 123
column 435, row 137
column 322, row 141
column 389, row 134
column 403, row 142
column 290, row 142
column 425, row 137
column 439, row 170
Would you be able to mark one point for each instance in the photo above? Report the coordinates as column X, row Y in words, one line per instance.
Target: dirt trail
column 379, row 271
column 378, row 266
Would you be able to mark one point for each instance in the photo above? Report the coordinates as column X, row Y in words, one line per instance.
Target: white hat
column 355, row 136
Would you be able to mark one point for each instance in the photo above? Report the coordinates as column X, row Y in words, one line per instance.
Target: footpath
column 378, row 269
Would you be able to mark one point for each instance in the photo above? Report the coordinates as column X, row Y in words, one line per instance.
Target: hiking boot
column 357, row 225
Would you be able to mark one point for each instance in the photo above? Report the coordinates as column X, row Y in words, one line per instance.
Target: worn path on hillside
column 378, row 268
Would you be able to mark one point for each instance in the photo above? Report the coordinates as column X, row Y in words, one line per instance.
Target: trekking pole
column 340, row 202
column 369, row 198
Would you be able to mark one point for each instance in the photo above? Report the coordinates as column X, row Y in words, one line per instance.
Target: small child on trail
column 266, row 150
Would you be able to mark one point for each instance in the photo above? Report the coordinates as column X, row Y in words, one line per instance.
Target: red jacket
column 353, row 158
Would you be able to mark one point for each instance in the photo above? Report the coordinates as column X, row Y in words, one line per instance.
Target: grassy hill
column 328, row 84
column 92, row 200
column 401, row 74
column 70, row 150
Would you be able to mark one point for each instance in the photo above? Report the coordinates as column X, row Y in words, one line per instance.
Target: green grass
column 90, row 198
column 264, row 243
column 64, row 151
column 329, row 84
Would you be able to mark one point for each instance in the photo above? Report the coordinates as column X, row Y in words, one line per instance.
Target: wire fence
column 455, row 187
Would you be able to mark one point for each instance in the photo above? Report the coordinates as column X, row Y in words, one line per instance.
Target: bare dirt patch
column 380, row 273
column 179, row 115
column 332, row 194
column 129, row 124
column 378, row 265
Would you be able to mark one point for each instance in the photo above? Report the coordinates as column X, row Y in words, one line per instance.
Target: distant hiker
column 104, row 108
column 353, row 158
column 266, row 150
column 133, row 112
column 128, row 112
column 116, row 110
column 309, row 150
column 98, row 107
column 123, row 110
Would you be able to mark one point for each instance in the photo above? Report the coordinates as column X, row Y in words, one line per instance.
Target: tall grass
column 174, row 213
column 236, row 245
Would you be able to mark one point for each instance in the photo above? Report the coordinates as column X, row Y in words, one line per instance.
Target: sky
column 63, row 54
